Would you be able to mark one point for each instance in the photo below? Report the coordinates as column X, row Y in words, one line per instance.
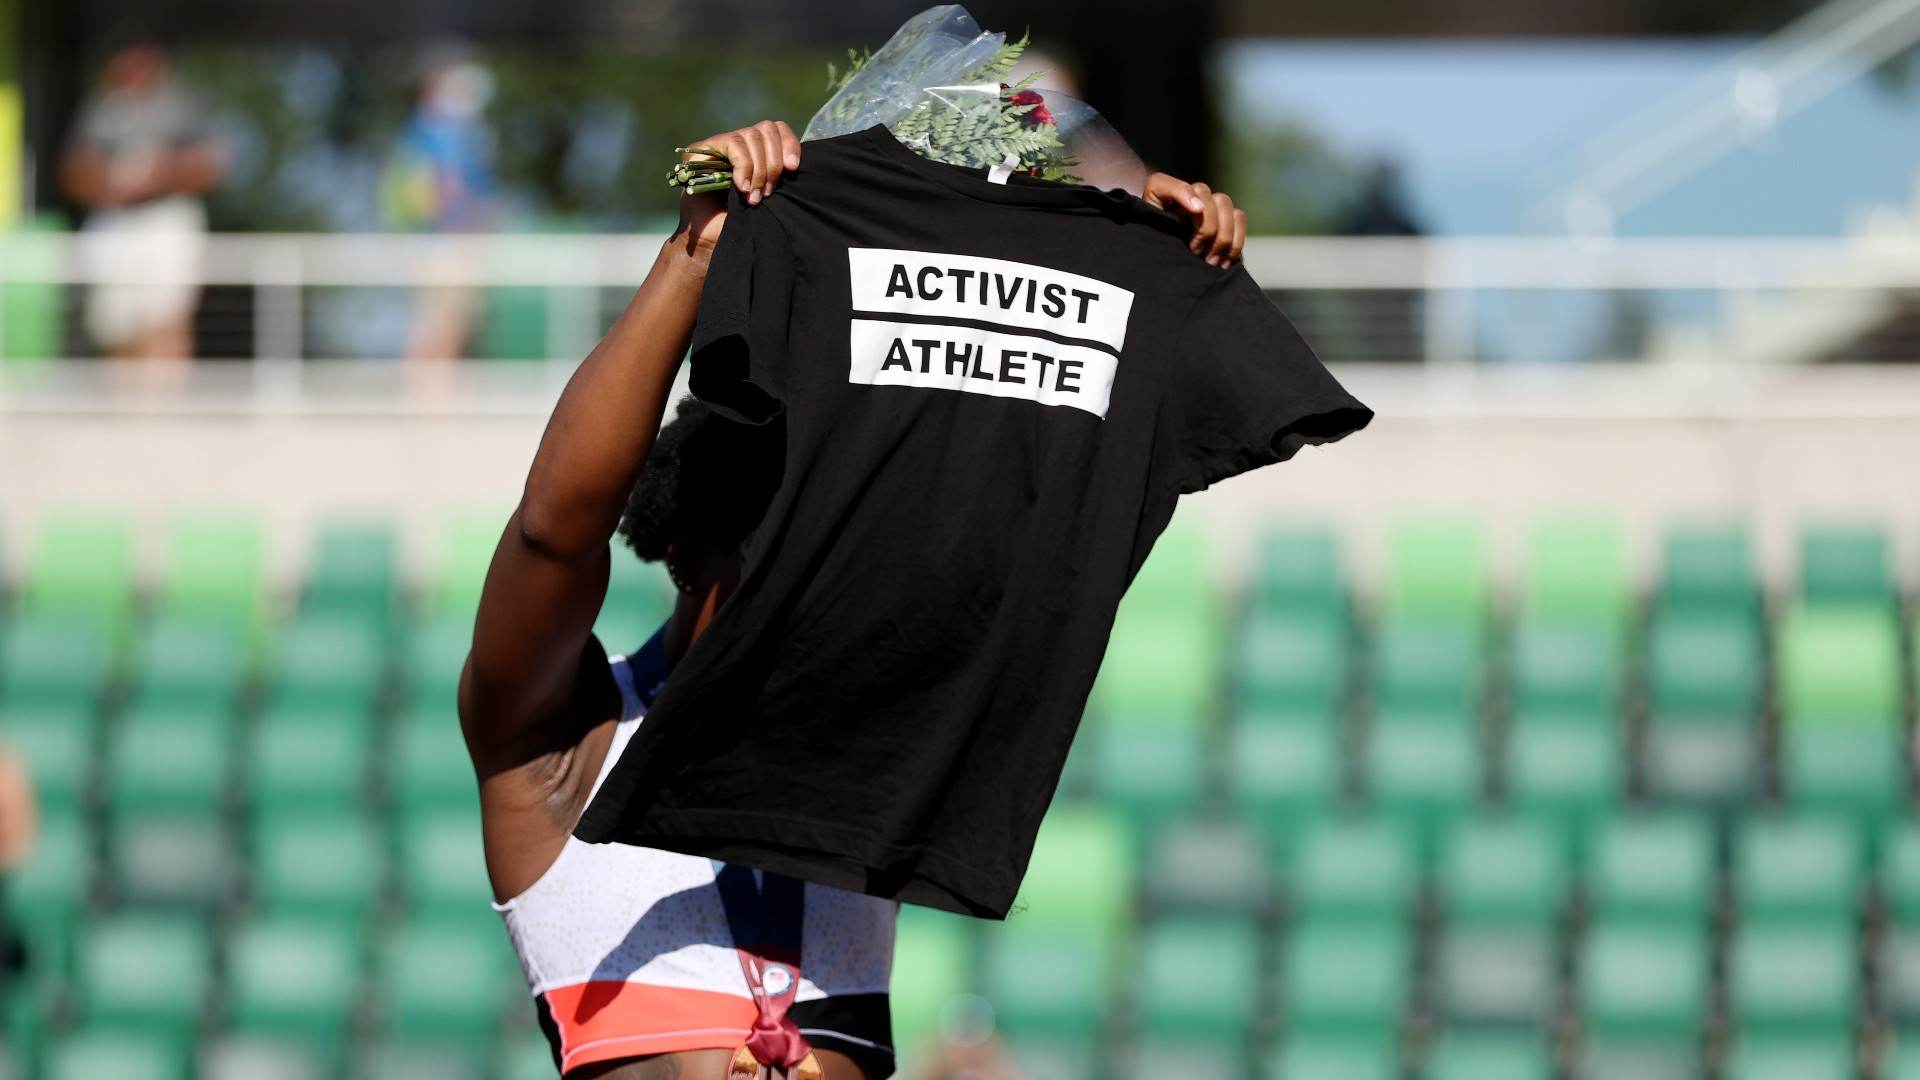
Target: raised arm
column 549, row 573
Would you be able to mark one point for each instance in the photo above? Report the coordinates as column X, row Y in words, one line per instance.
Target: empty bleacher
column 1447, row 825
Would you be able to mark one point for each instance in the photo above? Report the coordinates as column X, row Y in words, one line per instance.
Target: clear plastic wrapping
column 938, row 86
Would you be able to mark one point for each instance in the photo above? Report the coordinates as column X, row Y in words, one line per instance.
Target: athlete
column 647, row 964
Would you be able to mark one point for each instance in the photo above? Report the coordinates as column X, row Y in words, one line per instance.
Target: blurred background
column 1556, row 726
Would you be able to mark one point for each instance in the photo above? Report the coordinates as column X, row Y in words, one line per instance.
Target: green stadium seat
column 1176, row 581
column 435, row 651
column 1798, row 867
column 1608, row 1059
column 47, row 895
column 34, row 304
column 318, row 864
column 1316, row 1057
column 1566, row 666
column 443, row 871
column 1279, row 773
column 82, row 567
column 402, row 1059
column 1081, row 873
column 466, row 549
column 1300, row 570
column 122, row 1055
column 1503, row 870
column 1846, row 565
column 1839, row 666
column 57, row 659
column 1898, row 971
column 1645, row 982
column 1900, row 873
column 290, row 977
column 1903, row 1063
column 1045, row 980
column 1703, row 666
column 329, row 659
column 1437, row 569
column 298, row 712
column 1047, row 970
column 432, row 770
column 170, row 860
column 1057, row 1058
column 1153, row 1057
column 216, row 568
column 1572, row 775
column 24, row 1033
column 1710, row 570
column 59, row 743
column 1293, row 660
column 1207, row 865
column 1462, row 1056
column 445, row 980
column 529, row 1057
column 1345, row 977
column 1820, row 1058
column 294, row 761
column 1427, row 662
column 146, row 972
column 1199, row 977
column 1794, row 979
column 1147, row 770
column 623, row 628
column 169, row 760
column 1860, row 772
column 1363, row 868
column 1170, row 666
column 1577, row 572
column 185, row 659
column 253, row 1057
column 1654, row 867
column 932, row 967
column 1495, row 975
column 639, row 599
column 353, row 572
column 1502, row 883
column 1425, row 774
column 1900, row 956
column 1712, row 765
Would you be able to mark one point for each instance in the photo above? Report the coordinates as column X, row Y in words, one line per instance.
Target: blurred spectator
column 19, row 822
column 139, row 160
column 441, row 179
column 1381, row 209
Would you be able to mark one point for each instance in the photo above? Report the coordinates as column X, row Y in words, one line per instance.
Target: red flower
column 1039, row 115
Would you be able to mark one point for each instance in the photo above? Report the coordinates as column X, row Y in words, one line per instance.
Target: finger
column 1170, row 192
column 1239, row 236
column 756, row 164
column 1222, row 240
column 1207, row 222
column 740, row 157
column 789, row 144
column 770, row 155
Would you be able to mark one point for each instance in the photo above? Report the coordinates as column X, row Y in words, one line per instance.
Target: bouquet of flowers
column 938, row 86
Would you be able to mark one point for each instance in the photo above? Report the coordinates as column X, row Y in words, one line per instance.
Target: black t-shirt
column 993, row 395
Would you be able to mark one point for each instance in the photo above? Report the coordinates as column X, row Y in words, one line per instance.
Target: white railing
column 1680, row 135
column 1441, row 300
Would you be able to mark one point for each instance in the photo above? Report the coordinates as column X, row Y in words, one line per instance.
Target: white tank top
column 606, row 912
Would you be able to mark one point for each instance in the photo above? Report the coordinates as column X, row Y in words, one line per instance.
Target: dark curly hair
column 707, row 480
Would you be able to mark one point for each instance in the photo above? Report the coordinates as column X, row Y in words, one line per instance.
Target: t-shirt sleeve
column 1247, row 390
column 739, row 340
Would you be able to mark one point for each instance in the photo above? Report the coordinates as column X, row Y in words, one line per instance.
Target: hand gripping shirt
column 992, row 396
